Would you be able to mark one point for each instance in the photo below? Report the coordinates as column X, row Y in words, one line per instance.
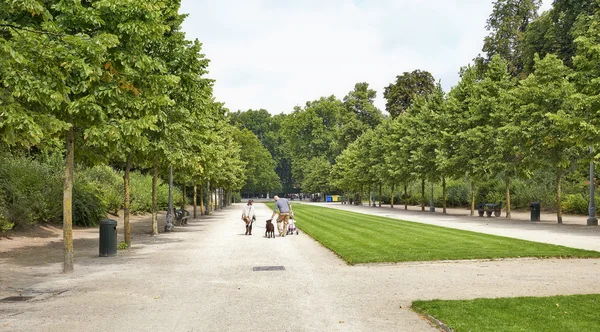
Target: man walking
column 248, row 216
column 283, row 206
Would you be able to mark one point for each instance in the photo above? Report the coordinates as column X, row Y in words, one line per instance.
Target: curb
column 432, row 319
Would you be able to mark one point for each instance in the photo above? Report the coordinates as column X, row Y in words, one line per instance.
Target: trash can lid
column 108, row 222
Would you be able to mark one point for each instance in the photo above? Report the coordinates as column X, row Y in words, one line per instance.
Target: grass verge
column 360, row 238
column 556, row 313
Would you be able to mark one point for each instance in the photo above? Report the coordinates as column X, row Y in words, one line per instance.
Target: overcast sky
column 275, row 54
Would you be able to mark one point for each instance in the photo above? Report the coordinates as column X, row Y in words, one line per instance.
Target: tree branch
column 17, row 28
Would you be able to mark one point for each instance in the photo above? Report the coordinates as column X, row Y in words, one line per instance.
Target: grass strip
column 555, row 313
column 361, row 238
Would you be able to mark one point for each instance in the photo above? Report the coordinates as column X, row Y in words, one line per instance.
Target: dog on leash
column 270, row 229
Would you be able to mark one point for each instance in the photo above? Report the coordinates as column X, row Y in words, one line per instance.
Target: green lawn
column 361, row 238
column 558, row 313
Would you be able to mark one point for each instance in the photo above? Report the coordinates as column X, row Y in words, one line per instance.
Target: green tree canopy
column 359, row 114
column 260, row 166
column 507, row 25
column 401, row 94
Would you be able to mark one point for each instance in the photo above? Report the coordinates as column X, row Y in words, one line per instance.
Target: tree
column 587, row 72
column 564, row 15
column 349, row 173
column 225, row 168
column 464, row 138
column 507, row 25
column 311, row 132
column 359, row 114
column 423, row 126
column 260, row 166
column 317, row 176
column 188, row 125
column 53, row 77
column 555, row 31
column 549, row 121
column 135, row 77
column 493, row 103
column 401, row 95
column 539, row 38
column 280, row 153
column 182, row 123
column 269, row 131
column 397, row 154
column 257, row 121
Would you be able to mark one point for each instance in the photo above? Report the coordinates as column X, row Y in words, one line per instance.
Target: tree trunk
column 155, row 199
column 423, row 195
column 207, row 197
column 558, row 199
column 68, row 203
column 392, row 200
column 405, row 196
column 380, row 195
column 212, row 200
column 195, row 202
column 126, row 202
column 201, row 200
column 184, row 199
column 508, row 197
column 362, row 191
column 472, row 198
column 444, row 194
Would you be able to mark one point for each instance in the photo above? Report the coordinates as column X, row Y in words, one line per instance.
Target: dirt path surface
column 200, row 278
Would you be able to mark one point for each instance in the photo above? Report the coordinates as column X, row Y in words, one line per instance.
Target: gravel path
column 201, row 278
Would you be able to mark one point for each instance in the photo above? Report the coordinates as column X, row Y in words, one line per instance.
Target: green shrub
column 88, row 208
column 141, row 193
column 108, row 184
column 32, row 192
column 575, row 203
column 458, row 193
column 5, row 224
column 490, row 191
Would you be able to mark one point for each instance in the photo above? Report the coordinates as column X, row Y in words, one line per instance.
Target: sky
column 277, row 54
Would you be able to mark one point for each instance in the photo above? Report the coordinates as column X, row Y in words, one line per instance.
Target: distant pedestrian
column 283, row 207
column 248, row 216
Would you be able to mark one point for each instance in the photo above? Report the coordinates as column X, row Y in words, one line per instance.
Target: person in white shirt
column 248, row 216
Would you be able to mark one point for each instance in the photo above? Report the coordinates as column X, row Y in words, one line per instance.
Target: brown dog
column 270, row 229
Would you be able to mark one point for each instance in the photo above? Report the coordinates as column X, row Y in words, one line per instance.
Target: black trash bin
column 535, row 211
column 108, row 238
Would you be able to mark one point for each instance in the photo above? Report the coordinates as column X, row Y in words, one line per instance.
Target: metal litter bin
column 108, row 238
column 535, row 211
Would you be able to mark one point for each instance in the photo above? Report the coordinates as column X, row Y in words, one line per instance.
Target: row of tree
column 512, row 113
column 531, row 103
column 113, row 82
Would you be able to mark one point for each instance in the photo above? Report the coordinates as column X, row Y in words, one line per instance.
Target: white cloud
column 278, row 54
